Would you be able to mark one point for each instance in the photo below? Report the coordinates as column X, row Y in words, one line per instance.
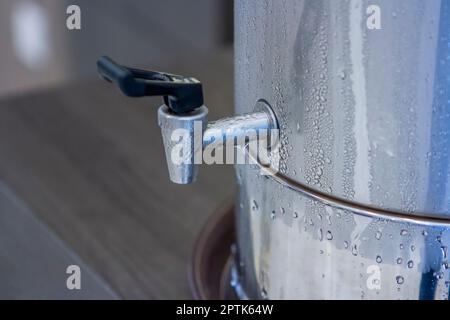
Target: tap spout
column 187, row 135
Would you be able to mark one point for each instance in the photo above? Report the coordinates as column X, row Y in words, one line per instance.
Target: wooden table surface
column 89, row 164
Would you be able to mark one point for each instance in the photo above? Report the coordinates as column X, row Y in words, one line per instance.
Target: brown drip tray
column 209, row 270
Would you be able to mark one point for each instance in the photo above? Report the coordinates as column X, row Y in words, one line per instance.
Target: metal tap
column 182, row 118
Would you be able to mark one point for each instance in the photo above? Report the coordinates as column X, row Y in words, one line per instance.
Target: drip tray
column 209, row 271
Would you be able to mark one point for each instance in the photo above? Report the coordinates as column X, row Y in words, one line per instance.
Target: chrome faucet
column 185, row 129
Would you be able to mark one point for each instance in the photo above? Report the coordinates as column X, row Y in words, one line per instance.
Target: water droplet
column 298, row 127
column 439, row 275
column 400, row 279
column 403, row 232
column 355, row 250
column 319, row 172
column 282, row 210
column 264, row 294
column 413, row 248
column 329, row 235
column 424, row 233
column 444, row 252
column 399, row 260
column 379, row 259
column 342, row 75
column 346, row 244
column 295, row 215
column 378, row 235
column 410, row 264
column 272, row 215
column 320, row 234
column 255, row 205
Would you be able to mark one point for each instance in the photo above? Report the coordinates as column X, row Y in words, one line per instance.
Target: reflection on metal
column 236, row 283
column 183, row 170
column 364, row 177
column 343, row 204
column 197, row 135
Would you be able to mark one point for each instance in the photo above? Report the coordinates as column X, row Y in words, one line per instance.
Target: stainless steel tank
column 360, row 208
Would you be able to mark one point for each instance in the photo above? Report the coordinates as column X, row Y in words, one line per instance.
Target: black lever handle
column 181, row 94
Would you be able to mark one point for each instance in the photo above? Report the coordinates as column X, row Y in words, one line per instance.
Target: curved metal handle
column 181, row 94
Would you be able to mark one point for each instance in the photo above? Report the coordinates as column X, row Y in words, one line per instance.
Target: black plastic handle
column 181, row 94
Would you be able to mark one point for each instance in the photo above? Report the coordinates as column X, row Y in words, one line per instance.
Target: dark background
column 37, row 50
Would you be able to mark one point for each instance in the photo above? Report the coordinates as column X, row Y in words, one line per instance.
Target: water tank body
column 360, row 206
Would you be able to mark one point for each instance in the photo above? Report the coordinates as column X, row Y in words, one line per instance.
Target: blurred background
column 83, row 177
column 38, row 50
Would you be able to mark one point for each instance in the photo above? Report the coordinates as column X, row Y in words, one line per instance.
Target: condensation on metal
column 364, row 175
